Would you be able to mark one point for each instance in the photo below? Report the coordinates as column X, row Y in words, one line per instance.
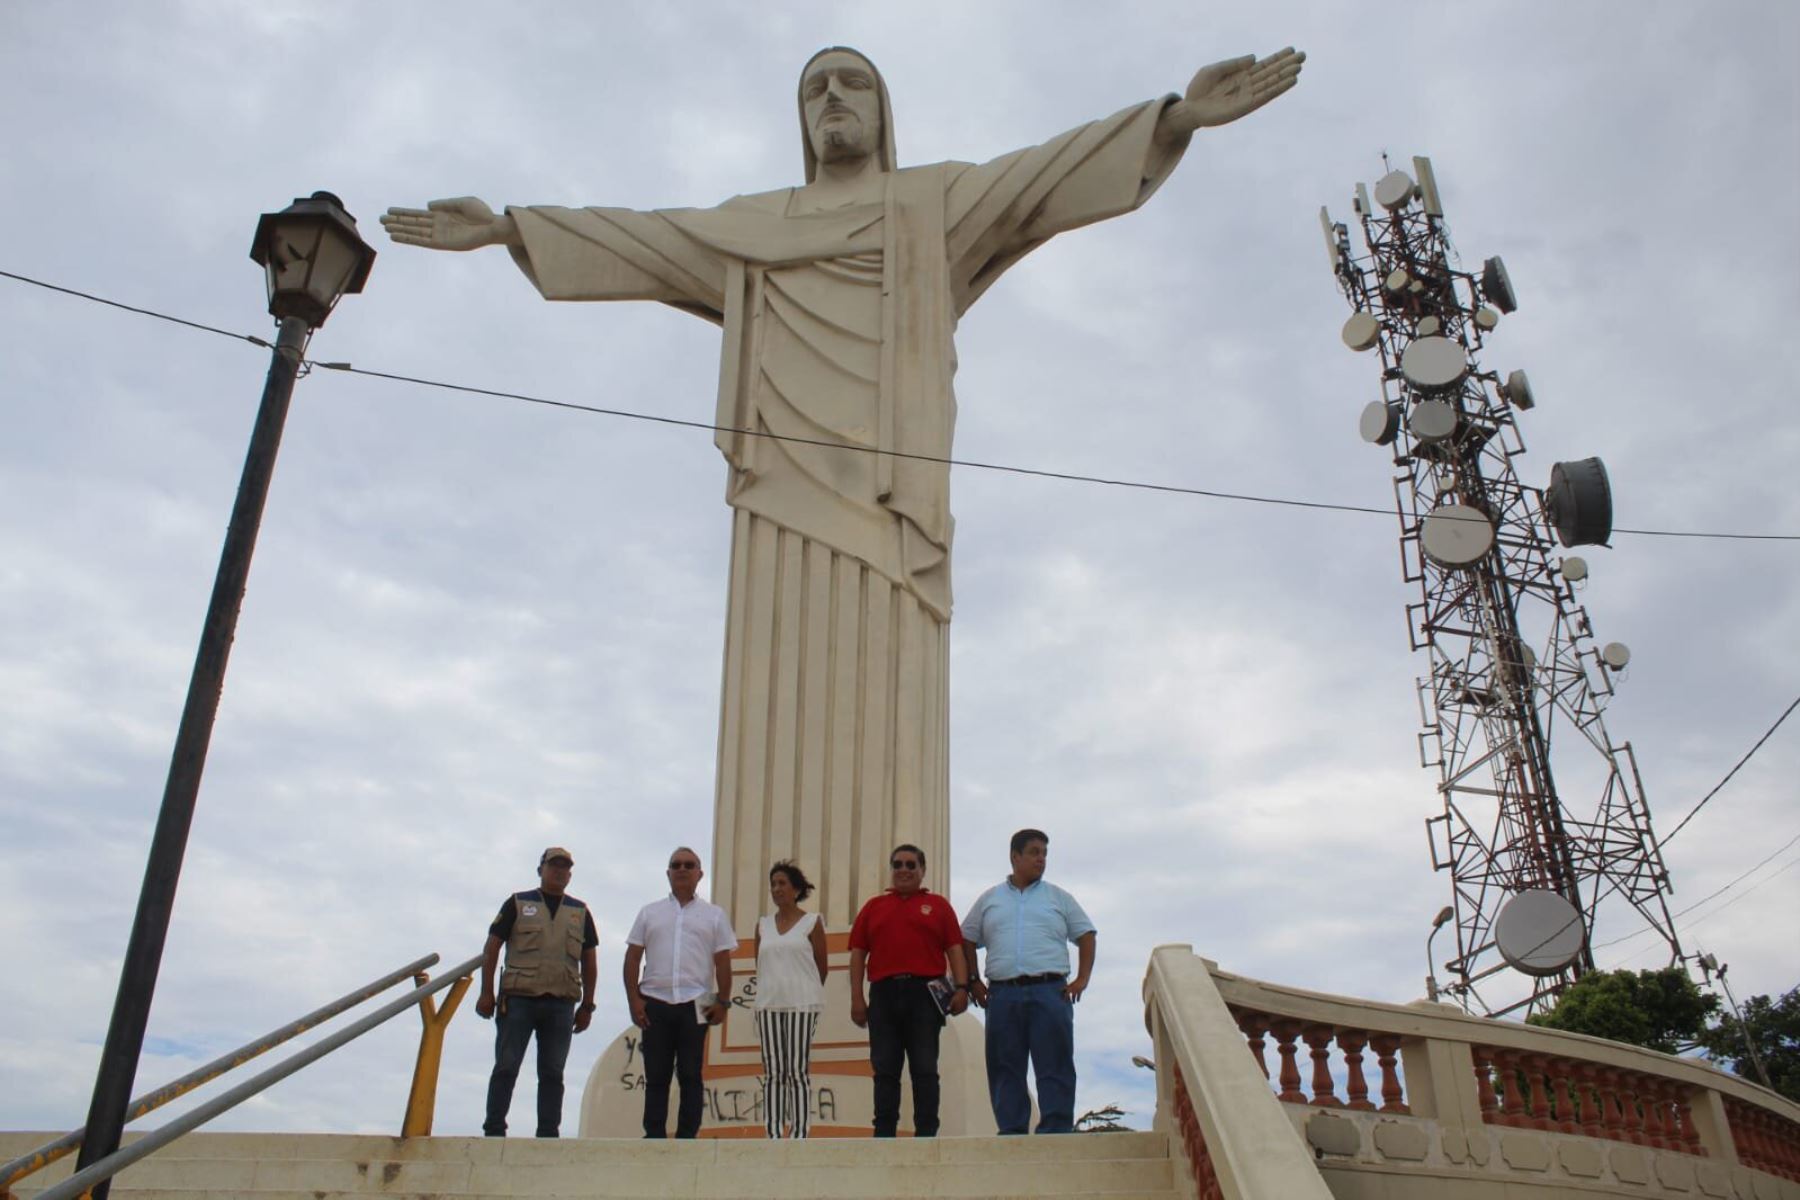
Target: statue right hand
column 464, row 223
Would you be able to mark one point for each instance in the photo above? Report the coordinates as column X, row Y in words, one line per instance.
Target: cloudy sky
column 476, row 626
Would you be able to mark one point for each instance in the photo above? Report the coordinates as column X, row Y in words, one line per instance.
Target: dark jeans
column 1035, row 1021
column 674, row 1044
column 518, row 1018
column 904, row 1022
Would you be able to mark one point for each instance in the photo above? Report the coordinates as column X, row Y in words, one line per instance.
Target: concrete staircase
column 1117, row 1166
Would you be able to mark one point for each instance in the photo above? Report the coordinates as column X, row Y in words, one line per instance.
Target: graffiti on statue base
column 742, row 1104
column 739, row 1103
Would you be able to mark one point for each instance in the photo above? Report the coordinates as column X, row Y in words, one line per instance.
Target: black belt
column 1023, row 980
column 901, row 978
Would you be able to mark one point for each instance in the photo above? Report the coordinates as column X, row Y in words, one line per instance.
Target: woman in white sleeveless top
column 790, row 991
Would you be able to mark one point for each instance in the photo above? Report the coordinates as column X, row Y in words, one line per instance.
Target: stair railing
column 82, row 1181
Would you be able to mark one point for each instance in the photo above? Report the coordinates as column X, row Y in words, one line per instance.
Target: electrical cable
column 1667, row 838
column 1068, row 476
column 1696, row 904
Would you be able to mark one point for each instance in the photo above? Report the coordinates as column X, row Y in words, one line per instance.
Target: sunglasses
column 684, row 866
column 904, row 864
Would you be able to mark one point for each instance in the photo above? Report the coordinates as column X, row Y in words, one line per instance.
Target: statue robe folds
column 838, row 340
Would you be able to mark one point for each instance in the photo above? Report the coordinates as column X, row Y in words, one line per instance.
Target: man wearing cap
column 1026, row 925
column 677, row 982
column 551, row 964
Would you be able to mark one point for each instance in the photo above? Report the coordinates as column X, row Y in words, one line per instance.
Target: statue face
column 843, row 108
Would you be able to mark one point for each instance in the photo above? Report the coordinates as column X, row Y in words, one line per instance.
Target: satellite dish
column 1574, row 569
column 1361, row 331
column 1518, row 391
column 1432, row 421
column 1616, row 655
column 1434, row 363
column 1539, row 932
column 1486, row 318
column 1496, row 285
column 1394, row 191
column 1579, row 502
column 1380, row 422
column 1456, row 535
column 1428, row 327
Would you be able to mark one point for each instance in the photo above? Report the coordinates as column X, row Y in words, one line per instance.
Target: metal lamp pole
column 313, row 256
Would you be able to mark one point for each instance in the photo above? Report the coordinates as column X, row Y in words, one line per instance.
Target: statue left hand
column 1233, row 88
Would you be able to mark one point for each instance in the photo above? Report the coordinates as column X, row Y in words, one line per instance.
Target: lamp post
column 312, row 256
column 1437, row 923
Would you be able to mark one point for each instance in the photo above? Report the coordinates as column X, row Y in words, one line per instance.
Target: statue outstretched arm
column 464, row 223
column 1227, row 90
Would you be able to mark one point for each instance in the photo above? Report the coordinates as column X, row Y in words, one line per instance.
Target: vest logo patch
column 925, row 909
column 530, row 910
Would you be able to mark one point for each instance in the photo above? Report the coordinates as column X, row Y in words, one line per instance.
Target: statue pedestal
column 612, row 1103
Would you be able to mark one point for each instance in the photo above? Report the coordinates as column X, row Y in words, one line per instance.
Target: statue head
column 845, row 113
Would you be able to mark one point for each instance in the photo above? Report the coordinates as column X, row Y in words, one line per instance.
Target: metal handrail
column 82, row 1180
column 36, row 1160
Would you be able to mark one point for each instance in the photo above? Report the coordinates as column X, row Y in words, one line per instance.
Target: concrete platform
column 1118, row 1166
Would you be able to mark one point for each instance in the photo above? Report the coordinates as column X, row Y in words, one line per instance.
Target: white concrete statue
column 839, row 301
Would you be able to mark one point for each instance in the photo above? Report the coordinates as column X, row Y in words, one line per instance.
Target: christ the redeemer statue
column 839, row 301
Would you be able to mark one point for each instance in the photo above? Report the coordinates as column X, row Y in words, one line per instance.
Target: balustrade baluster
column 1684, row 1125
column 1657, row 1126
column 1536, row 1068
column 1562, row 1095
column 1351, row 1042
column 1589, row 1088
column 1512, row 1103
column 1319, row 1038
column 1285, row 1031
column 1254, row 1025
column 1612, row 1115
column 1393, row 1096
column 1484, row 1083
column 1628, row 1107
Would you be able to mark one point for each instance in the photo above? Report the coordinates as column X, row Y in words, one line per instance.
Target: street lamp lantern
column 312, row 255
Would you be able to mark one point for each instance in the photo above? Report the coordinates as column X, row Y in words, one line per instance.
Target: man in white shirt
column 677, row 981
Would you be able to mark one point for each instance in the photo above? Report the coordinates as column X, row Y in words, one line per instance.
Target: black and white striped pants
column 787, row 1036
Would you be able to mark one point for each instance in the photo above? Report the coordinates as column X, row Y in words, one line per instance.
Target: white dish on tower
column 1539, row 932
column 1361, row 331
column 1432, row 421
column 1456, row 535
column 1380, row 422
column 1434, row 363
column 1394, row 191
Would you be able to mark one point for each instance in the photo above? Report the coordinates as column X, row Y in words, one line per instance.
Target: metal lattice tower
column 1512, row 657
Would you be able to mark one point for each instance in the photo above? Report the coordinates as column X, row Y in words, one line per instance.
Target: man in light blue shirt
column 1026, row 925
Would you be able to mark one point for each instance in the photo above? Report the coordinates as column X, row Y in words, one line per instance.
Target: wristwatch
column 961, row 987
column 585, row 1008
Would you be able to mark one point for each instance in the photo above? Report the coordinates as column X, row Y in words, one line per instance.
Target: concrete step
column 1124, row 1166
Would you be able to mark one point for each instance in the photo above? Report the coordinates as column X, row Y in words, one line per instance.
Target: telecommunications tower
column 1512, row 660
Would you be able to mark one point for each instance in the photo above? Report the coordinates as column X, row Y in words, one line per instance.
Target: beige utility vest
column 543, row 955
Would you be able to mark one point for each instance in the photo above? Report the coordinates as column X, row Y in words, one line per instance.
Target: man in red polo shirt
column 905, row 938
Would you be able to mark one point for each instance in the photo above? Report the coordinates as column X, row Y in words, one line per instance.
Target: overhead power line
column 627, row 414
column 1709, row 896
column 1668, row 837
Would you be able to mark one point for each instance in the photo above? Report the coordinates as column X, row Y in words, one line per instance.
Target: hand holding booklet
column 702, row 1002
column 942, row 992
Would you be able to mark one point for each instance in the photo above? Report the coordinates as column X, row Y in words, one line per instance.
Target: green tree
column 1660, row 1010
column 1774, row 1028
